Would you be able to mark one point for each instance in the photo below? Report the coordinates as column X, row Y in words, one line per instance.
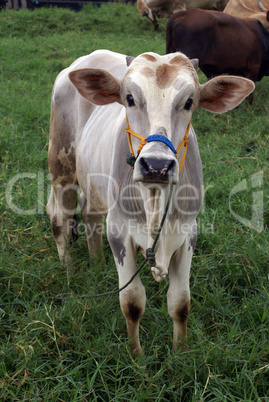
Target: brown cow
column 258, row 9
column 164, row 8
column 222, row 43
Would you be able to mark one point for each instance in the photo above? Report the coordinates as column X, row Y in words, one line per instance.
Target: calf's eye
column 130, row 100
column 188, row 104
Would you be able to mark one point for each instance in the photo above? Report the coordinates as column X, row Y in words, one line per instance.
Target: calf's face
column 160, row 94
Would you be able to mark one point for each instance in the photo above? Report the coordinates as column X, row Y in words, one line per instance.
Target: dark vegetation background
column 58, row 346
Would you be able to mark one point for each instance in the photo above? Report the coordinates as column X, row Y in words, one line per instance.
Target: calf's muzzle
column 155, row 170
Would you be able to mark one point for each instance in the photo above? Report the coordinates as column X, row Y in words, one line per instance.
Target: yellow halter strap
column 143, row 142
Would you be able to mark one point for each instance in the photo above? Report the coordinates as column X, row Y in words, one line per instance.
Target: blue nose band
column 156, row 137
column 161, row 138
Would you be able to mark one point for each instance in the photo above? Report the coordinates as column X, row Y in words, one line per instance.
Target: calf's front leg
column 133, row 297
column 132, row 302
column 178, row 296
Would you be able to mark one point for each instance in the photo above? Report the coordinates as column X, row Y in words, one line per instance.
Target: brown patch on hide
column 182, row 62
column 149, row 57
column 166, row 75
column 66, row 194
column 56, row 229
column 133, row 311
column 183, row 311
column 178, row 60
column 117, row 246
column 62, row 152
column 67, row 158
column 148, row 72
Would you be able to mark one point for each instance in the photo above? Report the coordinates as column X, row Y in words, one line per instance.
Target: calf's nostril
column 169, row 167
column 145, row 166
column 157, row 168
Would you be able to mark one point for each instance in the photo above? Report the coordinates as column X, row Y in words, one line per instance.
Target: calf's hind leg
column 94, row 226
column 61, row 208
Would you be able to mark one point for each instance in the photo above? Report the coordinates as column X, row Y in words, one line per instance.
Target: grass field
column 58, row 346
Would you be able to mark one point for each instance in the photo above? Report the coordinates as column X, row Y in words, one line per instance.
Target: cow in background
column 258, row 9
column 164, row 8
column 94, row 102
column 222, row 43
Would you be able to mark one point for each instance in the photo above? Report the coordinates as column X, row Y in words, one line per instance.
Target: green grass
column 74, row 348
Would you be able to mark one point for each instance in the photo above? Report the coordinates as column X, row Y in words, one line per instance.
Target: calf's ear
column 223, row 93
column 96, row 85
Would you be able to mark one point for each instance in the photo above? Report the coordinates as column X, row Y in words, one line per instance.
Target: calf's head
column 160, row 94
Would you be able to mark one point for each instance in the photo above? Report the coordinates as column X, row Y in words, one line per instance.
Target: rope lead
column 150, row 252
